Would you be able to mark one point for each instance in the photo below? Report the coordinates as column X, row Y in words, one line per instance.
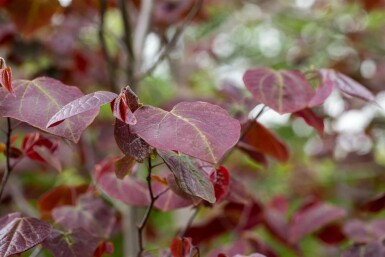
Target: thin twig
column 107, row 57
column 248, row 126
column 146, row 216
column 128, row 43
column 179, row 31
column 8, row 168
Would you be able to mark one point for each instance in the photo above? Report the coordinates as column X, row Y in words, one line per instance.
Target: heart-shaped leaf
column 284, row 91
column 199, row 129
column 188, row 175
column 81, row 105
column 21, row 233
column 76, row 243
column 39, row 99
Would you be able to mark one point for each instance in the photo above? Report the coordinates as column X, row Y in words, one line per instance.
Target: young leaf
column 124, row 166
column 221, row 181
column 19, row 234
column 199, row 129
column 83, row 104
column 76, row 243
column 123, row 106
column 90, row 214
column 265, row 142
column 37, row 100
column 347, row 85
column 311, row 119
column 104, row 248
column 313, row 218
column 188, row 176
column 129, row 143
column 6, row 80
column 284, row 91
column 181, row 247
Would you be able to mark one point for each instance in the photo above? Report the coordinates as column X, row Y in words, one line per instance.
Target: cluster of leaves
column 188, row 144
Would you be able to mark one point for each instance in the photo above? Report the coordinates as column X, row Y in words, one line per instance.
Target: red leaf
column 104, row 248
column 6, row 79
column 199, row 129
column 257, row 156
column 75, row 243
column 81, row 105
column 284, row 91
column 311, row 119
column 37, row 100
column 221, row 181
column 129, row 143
column 375, row 205
column 90, row 213
column 58, row 196
column 181, row 247
column 347, row 85
column 18, row 234
column 331, row 234
column 264, row 141
column 312, row 218
column 121, row 106
column 124, row 166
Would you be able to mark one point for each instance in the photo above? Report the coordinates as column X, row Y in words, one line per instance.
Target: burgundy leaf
column 284, row 91
column 181, row 247
column 124, row 166
column 331, row 234
column 76, row 243
column 81, row 105
column 199, row 129
column 375, row 205
column 21, row 234
column 104, row 248
column 90, row 214
column 264, row 141
column 37, row 100
column 313, row 218
column 129, row 143
column 311, row 119
column 347, row 85
column 121, row 106
column 6, row 80
column 322, row 93
column 168, row 200
column 254, row 154
column 188, row 175
column 221, row 181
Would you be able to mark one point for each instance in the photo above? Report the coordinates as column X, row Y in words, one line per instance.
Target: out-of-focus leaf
column 347, row 85
column 265, row 142
column 375, row 249
column 312, row 218
column 129, row 143
column 199, row 129
column 188, row 176
column 311, row 119
column 181, row 247
column 322, row 93
column 284, row 91
column 361, row 232
column 90, row 213
column 39, row 99
column 18, row 234
column 36, row 14
column 81, row 105
column 168, row 200
column 331, row 234
column 76, row 243
column 6, row 79
column 124, row 166
column 221, row 181
column 375, row 205
column 104, row 248
column 253, row 153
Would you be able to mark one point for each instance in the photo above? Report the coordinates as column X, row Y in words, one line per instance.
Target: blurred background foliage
column 344, row 167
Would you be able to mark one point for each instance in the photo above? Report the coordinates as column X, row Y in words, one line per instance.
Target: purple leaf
column 37, row 100
column 284, row 91
column 90, row 214
column 21, row 233
column 129, row 143
column 81, row 105
column 347, row 85
column 311, row 119
column 168, row 200
column 322, row 93
column 188, row 175
column 77, row 243
column 199, row 129
column 124, row 166
column 313, row 218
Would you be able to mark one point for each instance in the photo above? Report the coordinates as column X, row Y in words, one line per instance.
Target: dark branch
column 8, row 168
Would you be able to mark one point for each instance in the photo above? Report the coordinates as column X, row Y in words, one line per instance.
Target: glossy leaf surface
column 18, row 234
column 188, row 175
column 81, row 105
column 39, row 99
column 199, row 129
column 284, row 91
